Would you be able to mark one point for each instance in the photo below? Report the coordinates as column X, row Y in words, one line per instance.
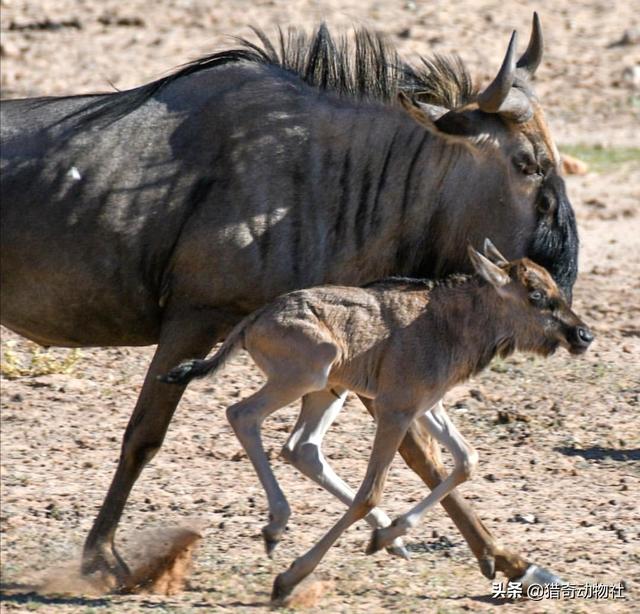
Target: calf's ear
column 490, row 272
column 492, row 253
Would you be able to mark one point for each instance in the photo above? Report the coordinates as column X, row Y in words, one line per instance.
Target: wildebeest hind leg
column 188, row 335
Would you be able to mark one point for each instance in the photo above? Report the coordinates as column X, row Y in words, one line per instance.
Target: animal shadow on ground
column 600, row 453
column 20, row 594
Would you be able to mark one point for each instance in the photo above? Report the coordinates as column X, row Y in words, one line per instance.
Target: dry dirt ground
column 558, row 439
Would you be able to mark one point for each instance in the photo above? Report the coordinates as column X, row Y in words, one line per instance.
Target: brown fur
column 403, row 344
column 537, row 131
column 451, row 329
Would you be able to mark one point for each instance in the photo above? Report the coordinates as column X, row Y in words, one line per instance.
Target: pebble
column 629, row 37
column 9, row 50
column 631, row 75
column 525, row 518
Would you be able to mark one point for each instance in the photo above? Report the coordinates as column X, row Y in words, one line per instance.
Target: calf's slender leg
column 303, row 450
column 246, row 418
column 184, row 335
column 421, row 453
column 390, row 430
column 439, row 425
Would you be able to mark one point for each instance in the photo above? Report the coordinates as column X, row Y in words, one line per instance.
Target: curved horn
column 490, row 99
column 532, row 57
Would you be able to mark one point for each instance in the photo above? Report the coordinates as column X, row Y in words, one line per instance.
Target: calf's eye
column 536, row 296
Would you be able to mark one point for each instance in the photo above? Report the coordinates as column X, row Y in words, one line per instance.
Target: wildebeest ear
column 487, row 270
column 492, row 253
column 423, row 113
column 455, row 124
column 438, row 120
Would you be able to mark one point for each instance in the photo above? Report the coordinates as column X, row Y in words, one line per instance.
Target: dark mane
column 365, row 68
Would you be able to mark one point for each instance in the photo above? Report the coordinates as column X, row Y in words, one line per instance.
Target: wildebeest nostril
column 584, row 335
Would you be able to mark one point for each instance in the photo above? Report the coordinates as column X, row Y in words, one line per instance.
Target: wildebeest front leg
column 422, row 454
column 182, row 337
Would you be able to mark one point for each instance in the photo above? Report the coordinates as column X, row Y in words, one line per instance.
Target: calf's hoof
column 488, row 567
column 397, row 548
column 537, row 575
column 271, row 540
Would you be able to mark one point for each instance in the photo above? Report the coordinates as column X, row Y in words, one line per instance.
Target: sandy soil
column 558, row 478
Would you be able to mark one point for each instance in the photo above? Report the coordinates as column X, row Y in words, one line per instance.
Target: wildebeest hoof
column 537, row 575
column 109, row 566
column 488, row 567
column 397, row 548
column 280, row 589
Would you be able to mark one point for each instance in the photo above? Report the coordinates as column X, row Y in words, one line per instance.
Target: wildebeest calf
column 403, row 343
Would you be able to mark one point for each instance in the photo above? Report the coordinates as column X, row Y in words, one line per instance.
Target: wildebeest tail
column 190, row 369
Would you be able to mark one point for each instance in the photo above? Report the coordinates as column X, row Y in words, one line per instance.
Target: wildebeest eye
column 527, row 165
column 536, row 296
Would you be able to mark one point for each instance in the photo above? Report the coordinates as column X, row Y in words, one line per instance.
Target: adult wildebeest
column 403, row 343
column 165, row 213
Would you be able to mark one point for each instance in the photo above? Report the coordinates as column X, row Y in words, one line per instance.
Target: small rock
column 631, row 75
column 573, row 166
column 9, row 50
column 114, row 20
column 238, row 456
column 404, row 33
column 629, row 37
column 622, row 536
column 490, row 477
column 525, row 518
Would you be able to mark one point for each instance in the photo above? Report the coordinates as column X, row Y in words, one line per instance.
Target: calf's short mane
column 366, row 68
column 413, row 284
